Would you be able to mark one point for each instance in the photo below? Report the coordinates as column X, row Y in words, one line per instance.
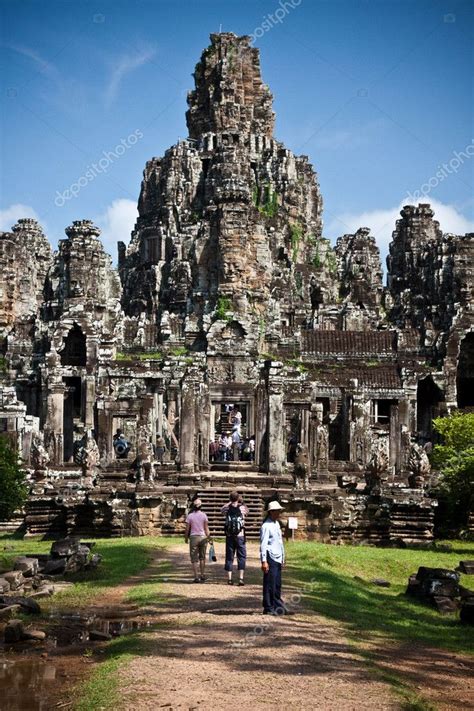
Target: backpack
column 234, row 521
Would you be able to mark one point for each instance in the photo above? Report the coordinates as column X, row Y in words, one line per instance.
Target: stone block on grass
column 445, row 605
column 4, row 586
column 466, row 567
column 28, row 566
column 15, row 579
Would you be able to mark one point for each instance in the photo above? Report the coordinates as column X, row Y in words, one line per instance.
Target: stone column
column 276, row 429
column 89, row 401
column 205, row 426
column 212, row 426
column 261, row 422
column 394, row 443
column 305, row 420
column 186, row 440
column 159, row 409
column 313, row 439
column 105, row 432
column 55, row 422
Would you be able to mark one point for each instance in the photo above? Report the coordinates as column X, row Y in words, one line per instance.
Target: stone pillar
column 276, row 428
column 313, row 439
column 319, row 439
column 105, row 432
column 305, row 420
column 261, row 433
column 204, row 424
column 55, row 422
column 186, row 440
column 212, row 426
column 89, row 401
column 394, row 444
column 159, row 409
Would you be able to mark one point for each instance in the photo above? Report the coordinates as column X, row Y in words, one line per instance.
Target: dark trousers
column 233, row 545
column 272, row 601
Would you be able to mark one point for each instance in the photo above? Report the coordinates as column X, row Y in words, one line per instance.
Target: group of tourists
column 272, row 552
column 232, row 447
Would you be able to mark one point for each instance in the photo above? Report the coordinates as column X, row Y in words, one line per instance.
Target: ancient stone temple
column 234, row 346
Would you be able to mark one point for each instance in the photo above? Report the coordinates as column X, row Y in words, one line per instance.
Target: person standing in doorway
column 235, row 512
column 197, row 533
column 160, row 449
column 236, row 442
column 272, row 556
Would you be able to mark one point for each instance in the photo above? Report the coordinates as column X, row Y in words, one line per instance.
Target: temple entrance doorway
column 428, row 398
column 231, row 437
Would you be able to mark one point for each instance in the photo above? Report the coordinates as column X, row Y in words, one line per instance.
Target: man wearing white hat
column 272, row 556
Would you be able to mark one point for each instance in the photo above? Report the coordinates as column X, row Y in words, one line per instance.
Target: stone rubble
column 31, row 579
column 440, row 588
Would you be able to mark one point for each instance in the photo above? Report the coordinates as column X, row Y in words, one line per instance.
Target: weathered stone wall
column 25, row 258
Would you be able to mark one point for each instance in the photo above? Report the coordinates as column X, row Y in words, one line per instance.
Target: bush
column 224, row 304
column 455, row 460
column 269, row 204
column 296, row 233
column 13, row 488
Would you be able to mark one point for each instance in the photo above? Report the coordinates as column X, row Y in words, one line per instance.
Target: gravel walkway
column 215, row 650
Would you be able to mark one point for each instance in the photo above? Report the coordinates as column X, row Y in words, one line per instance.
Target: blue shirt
column 271, row 541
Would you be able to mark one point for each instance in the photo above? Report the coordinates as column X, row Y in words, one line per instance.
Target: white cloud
column 116, row 224
column 12, row 214
column 125, row 65
column 382, row 222
column 45, row 67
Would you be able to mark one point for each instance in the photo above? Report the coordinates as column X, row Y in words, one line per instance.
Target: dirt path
column 216, row 649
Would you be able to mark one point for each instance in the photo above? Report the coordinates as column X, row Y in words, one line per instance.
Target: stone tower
column 227, row 246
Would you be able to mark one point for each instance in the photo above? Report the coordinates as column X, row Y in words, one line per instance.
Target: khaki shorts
column 197, row 548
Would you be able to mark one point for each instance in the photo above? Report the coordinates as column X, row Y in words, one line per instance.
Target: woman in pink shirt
column 197, row 532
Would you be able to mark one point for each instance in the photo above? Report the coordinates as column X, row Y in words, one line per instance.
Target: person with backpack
column 235, row 512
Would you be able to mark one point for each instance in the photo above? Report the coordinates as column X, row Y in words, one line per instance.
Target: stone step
column 214, row 499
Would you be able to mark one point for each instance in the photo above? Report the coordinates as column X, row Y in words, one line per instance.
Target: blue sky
column 377, row 93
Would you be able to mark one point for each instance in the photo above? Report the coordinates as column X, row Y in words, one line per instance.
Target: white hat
column 274, row 506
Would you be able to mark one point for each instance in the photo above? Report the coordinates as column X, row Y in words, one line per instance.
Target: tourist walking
column 272, row 556
column 197, row 532
column 235, row 512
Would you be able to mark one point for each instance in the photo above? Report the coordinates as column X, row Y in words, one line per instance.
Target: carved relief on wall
column 222, row 373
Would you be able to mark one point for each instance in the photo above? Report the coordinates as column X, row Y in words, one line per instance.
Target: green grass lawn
column 341, row 590
column 121, row 559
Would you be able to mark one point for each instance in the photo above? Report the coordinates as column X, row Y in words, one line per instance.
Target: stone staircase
column 213, row 500
column 14, row 525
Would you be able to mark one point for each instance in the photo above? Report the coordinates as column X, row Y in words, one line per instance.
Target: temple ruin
column 234, row 346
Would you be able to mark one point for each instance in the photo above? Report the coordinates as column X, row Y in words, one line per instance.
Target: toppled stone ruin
column 440, row 588
column 235, row 346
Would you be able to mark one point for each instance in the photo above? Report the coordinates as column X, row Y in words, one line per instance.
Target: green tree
column 13, row 488
column 454, row 458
